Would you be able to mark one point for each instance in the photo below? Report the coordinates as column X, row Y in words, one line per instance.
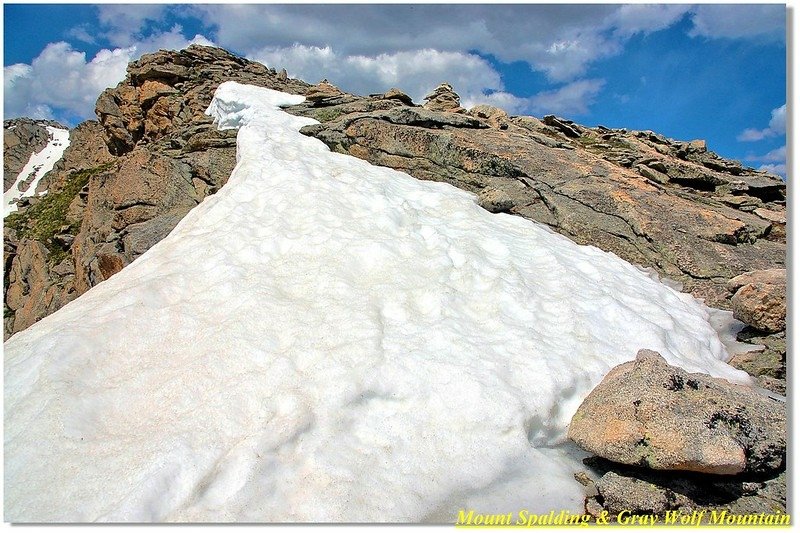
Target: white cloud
column 777, row 155
column 61, row 78
column 170, row 40
column 774, row 169
column 417, row 72
column 125, row 21
column 774, row 161
column 767, row 21
column 631, row 19
column 777, row 127
column 367, row 48
column 82, row 33
column 560, row 40
column 571, row 99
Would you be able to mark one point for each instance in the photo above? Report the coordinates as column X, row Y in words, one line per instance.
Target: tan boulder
column 759, row 299
column 648, row 413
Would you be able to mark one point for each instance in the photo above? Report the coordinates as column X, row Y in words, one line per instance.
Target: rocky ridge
column 128, row 178
column 22, row 137
column 125, row 180
column 674, row 206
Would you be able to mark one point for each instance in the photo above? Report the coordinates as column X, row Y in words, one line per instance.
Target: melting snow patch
column 324, row 340
column 37, row 166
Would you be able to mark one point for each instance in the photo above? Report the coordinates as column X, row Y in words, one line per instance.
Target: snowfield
column 325, row 340
column 38, row 165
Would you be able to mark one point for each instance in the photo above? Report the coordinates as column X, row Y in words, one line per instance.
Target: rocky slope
column 125, row 181
column 672, row 206
column 21, row 138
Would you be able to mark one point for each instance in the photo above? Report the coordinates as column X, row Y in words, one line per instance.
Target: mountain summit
column 270, row 329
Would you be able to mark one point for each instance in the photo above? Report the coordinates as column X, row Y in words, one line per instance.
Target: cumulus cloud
column 124, row 22
column 774, row 169
column 61, row 78
column 513, row 105
column 767, row 21
column 416, row 71
column 776, row 127
column 568, row 100
column 573, row 98
column 774, row 161
column 367, row 48
column 560, row 40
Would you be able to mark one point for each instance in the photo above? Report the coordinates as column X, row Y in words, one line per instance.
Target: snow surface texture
column 37, row 166
column 324, row 340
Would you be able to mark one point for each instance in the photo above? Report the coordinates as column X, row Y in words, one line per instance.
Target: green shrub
column 328, row 114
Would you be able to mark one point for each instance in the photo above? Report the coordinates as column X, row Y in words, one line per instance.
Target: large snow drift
column 39, row 164
column 324, row 340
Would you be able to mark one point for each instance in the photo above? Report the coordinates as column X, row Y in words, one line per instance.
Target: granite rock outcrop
column 125, row 180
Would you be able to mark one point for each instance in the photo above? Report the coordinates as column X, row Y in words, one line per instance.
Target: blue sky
column 687, row 71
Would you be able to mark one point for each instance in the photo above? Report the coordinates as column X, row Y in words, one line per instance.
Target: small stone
column 621, row 493
column 495, row 200
column 777, row 217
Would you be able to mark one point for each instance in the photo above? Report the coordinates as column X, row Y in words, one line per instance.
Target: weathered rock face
column 650, row 414
column 127, row 180
column 165, row 95
column 669, row 205
column 625, row 488
column 39, row 271
column 21, row 138
column 768, row 365
column 674, row 206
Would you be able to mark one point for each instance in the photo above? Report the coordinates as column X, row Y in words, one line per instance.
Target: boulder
column 565, row 126
column 397, row 94
column 759, row 299
column 494, row 116
column 654, row 415
column 444, row 99
column 322, row 91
